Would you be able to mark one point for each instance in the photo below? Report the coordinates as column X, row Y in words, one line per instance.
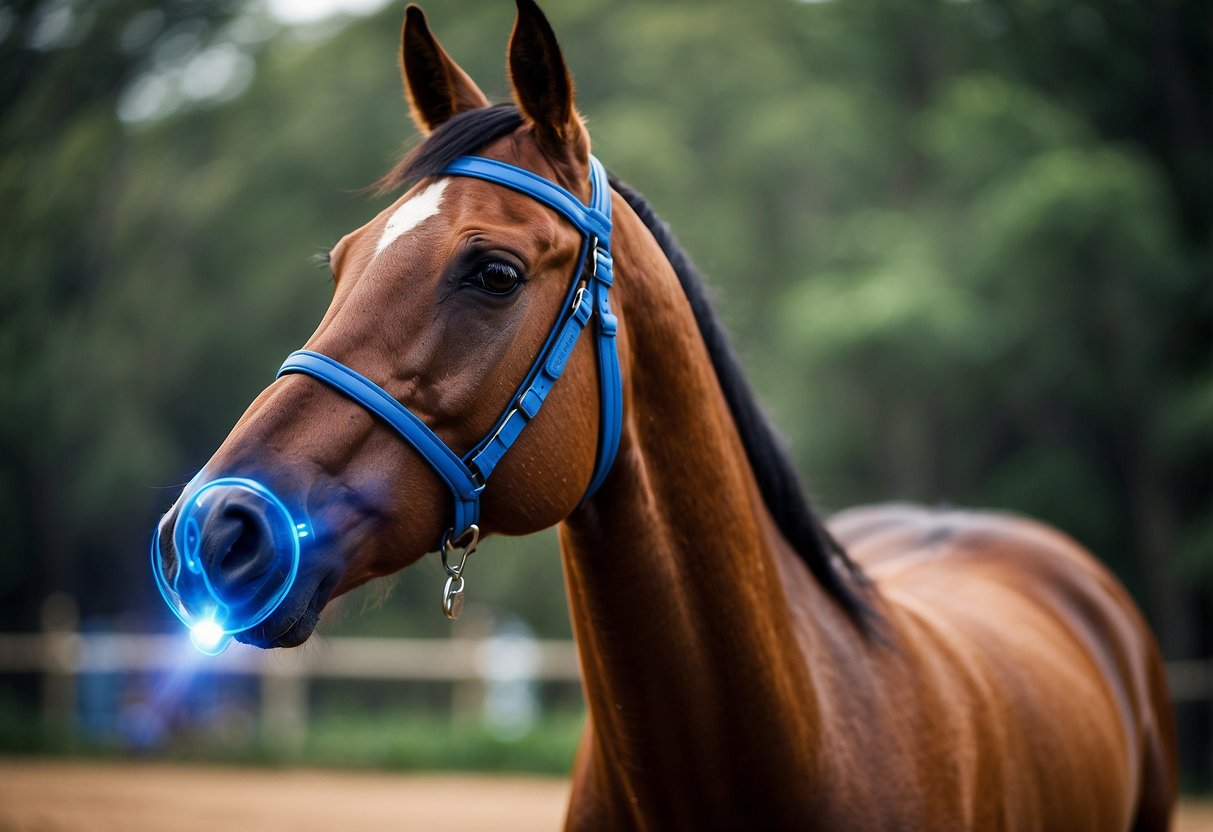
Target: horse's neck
column 678, row 580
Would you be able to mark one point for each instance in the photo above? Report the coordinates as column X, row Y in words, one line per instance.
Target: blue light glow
column 211, row 617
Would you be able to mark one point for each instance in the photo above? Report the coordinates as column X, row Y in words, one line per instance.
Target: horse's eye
column 496, row 278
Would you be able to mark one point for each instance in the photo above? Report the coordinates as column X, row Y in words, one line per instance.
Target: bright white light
column 207, row 635
column 295, row 12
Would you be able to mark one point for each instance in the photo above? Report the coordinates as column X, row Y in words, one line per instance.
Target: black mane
column 777, row 480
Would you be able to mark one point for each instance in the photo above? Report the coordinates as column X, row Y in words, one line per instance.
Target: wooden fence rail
column 60, row 657
column 453, row 659
column 386, row 659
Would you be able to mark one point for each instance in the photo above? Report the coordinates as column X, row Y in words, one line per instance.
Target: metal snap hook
column 449, row 547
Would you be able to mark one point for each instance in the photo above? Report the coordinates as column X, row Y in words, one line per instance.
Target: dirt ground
column 38, row 796
column 1195, row 817
column 124, row 797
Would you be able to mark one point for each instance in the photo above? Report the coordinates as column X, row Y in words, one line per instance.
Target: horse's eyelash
column 323, row 259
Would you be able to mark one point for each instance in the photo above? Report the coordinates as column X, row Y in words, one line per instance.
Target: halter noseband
column 467, row 475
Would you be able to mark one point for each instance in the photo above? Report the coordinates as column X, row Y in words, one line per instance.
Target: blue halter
column 467, row 475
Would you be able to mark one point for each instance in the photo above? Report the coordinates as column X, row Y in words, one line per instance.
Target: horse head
column 455, row 311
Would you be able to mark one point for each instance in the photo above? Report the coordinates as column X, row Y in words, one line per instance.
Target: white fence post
column 284, row 705
column 61, row 647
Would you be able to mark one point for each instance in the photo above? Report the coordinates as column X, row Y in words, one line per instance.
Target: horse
column 745, row 663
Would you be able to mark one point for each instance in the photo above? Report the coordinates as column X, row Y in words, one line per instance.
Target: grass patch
column 410, row 742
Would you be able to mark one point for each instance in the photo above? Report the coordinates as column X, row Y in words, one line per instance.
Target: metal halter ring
column 581, row 290
column 593, row 251
column 452, row 591
column 449, row 547
column 452, row 597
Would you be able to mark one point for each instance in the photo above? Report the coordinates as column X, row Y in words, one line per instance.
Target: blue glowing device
column 212, row 613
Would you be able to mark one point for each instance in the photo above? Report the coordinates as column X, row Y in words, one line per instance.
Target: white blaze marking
column 412, row 213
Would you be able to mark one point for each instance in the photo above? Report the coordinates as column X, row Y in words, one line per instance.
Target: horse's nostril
column 238, row 548
column 226, row 559
column 246, row 544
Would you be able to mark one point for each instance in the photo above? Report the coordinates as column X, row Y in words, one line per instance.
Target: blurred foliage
column 963, row 246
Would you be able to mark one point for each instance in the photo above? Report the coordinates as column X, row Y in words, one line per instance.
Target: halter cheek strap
column 588, row 297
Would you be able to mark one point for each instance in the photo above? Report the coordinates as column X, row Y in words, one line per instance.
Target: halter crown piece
column 587, row 297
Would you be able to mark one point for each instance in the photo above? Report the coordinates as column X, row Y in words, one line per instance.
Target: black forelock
column 460, row 135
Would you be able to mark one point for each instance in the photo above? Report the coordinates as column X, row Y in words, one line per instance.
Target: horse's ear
column 543, row 87
column 436, row 86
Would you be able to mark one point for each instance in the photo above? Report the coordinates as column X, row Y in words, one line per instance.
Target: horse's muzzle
column 228, row 561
